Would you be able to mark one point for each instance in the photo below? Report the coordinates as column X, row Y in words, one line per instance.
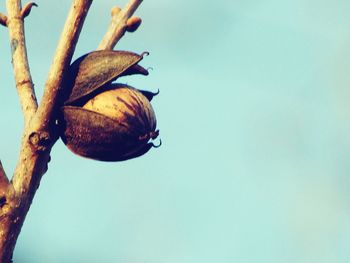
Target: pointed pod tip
column 145, row 53
column 149, row 94
column 159, row 144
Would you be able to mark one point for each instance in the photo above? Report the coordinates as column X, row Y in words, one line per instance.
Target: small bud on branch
column 133, row 23
column 3, row 20
column 27, row 8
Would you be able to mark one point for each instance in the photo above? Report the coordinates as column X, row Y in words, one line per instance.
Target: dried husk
column 91, row 72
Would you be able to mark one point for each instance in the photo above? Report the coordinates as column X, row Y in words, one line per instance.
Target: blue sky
column 254, row 117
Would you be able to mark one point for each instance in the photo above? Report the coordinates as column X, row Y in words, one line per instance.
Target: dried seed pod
column 104, row 121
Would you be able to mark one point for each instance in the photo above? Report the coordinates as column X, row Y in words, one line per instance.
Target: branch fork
column 25, row 11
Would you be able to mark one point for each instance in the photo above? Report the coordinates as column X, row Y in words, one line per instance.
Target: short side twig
column 24, row 84
column 4, row 182
column 118, row 25
column 3, row 20
column 26, row 9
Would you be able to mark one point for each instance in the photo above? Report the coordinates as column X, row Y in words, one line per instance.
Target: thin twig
column 118, row 25
column 27, row 8
column 24, row 84
column 3, row 20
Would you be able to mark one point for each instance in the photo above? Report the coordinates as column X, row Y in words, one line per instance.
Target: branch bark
column 118, row 25
column 24, row 84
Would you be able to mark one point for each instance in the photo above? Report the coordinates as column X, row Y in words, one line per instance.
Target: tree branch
column 24, row 84
column 38, row 137
column 118, row 25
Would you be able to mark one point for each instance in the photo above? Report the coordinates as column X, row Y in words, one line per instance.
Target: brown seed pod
column 104, row 121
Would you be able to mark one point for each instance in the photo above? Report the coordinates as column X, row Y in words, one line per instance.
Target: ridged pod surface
column 127, row 106
column 113, row 126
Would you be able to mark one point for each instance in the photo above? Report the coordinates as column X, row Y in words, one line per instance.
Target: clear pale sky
column 254, row 116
